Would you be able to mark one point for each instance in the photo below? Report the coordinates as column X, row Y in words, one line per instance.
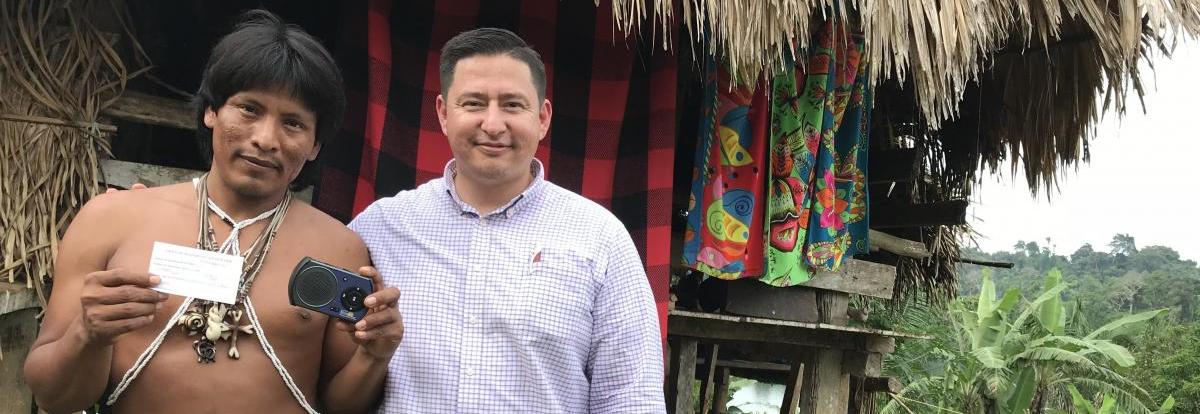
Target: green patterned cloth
column 817, row 192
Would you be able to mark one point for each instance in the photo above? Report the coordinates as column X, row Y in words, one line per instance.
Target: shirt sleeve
column 365, row 220
column 625, row 364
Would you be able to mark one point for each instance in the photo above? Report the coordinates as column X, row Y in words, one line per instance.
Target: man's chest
column 267, row 290
column 490, row 282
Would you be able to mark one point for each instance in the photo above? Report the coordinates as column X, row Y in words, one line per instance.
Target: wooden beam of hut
column 124, row 174
column 896, row 245
column 986, row 263
column 153, row 110
column 863, row 364
column 715, row 327
column 943, row 213
column 33, row 119
column 858, row 277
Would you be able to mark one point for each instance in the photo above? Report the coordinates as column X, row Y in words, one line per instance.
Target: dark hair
column 263, row 52
column 491, row 41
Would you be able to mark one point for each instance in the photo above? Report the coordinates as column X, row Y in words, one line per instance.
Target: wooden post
column 722, row 398
column 795, row 383
column 710, row 370
column 683, row 372
column 832, row 307
column 826, row 387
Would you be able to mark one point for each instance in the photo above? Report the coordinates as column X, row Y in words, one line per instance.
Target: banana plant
column 1108, row 404
column 1028, row 362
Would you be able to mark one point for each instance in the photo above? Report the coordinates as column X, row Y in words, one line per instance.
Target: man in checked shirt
column 518, row 295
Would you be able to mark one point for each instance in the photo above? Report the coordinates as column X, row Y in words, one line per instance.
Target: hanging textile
column 817, row 206
column 724, row 235
column 783, row 196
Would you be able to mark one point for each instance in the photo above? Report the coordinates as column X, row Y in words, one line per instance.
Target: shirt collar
column 509, row 209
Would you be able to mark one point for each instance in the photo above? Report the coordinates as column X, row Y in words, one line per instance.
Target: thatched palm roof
column 1041, row 65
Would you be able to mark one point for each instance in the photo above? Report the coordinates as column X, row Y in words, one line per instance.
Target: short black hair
column 490, row 41
column 263, row 52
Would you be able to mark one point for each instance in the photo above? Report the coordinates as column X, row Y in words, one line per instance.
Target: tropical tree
column 1123, row 244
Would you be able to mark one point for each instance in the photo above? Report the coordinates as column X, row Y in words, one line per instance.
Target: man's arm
column 626, row 360
column 355, row 360
column 68, row 366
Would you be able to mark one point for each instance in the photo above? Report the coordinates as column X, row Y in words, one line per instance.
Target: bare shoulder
column 112, row 213
column 328, row 236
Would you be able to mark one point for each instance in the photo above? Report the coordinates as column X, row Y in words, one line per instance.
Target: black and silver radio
column 330, row 290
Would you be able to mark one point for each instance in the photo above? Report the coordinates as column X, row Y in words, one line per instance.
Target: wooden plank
column 857, row 277
column 762, row 366
column 15, row 297
column 707, row 383
column 683, row 372
column 886, row 215
column 793, row 389
column 778, row 336
column 753, row 298
column 683, row 315
column 896, row 245
column 124, row 174
column 153, row 110
column 897, row 165
column 863, row 364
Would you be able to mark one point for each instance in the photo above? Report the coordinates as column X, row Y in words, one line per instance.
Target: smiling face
column 261, row 140
column 493, row 119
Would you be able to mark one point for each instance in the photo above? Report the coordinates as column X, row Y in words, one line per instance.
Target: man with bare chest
column 271, row 95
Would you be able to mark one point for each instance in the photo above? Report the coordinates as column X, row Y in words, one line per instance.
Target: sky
column 1143, row 178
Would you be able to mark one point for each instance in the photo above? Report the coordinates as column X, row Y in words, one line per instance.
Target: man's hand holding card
column 191, row 272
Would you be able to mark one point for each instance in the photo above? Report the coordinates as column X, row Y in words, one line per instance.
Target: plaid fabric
column 611, row 139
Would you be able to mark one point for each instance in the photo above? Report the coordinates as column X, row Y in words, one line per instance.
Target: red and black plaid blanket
column 611, row 140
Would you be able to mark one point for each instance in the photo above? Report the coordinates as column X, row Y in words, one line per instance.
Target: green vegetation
column 1094, row 332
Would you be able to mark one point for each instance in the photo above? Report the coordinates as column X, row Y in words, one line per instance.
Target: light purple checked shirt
column 540, row 307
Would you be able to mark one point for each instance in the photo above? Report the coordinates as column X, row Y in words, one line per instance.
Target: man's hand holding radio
column 379, row 333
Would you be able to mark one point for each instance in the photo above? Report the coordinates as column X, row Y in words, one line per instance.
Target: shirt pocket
column 557, row 293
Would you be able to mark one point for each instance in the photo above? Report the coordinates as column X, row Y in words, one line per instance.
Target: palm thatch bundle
column 57, row 72
column 1043, row 64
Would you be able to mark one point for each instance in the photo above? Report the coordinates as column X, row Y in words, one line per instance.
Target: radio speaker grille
column 314, row 287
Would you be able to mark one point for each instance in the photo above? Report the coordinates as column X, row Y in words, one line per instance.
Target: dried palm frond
column 1058, row 55
column 57, row 72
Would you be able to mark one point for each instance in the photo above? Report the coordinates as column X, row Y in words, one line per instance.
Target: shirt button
column 476, row 268
column 470, row 372
column 473, row 320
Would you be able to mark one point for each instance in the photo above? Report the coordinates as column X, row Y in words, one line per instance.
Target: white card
column 200, row 274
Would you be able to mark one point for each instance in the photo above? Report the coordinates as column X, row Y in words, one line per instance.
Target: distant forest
column 1124, row 279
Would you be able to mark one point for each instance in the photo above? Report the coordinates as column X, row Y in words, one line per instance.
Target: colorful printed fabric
column 817, row 192
column 613, row 135
column 725, row 213
column 814, row 146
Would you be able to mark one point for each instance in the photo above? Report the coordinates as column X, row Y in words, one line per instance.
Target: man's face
column 493, row 118
column 261, row 139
